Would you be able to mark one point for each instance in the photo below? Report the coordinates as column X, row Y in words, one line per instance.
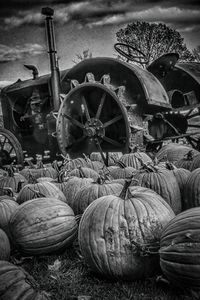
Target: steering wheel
column 139, row 58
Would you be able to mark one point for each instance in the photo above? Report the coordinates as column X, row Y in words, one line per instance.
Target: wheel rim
column 10, row 148
column 92, row 118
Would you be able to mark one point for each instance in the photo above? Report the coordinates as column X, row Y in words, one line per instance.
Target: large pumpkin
column 87, row 194
column 180, row 249
column 191, row 192
column 7, row 207
column 17, row 284
column 40, row 189
column 119, row 235
column 163, row 182
column 42, row 226
column 4, row 246
column 135, row 159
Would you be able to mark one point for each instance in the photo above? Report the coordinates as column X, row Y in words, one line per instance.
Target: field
column 66, row 276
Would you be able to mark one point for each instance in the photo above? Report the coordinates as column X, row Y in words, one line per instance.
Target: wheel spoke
column 10, row 150
column 76, row 142
column 194, row 125
column 111, row 141
column 192, row 116
column 3, row 143
column 99, row 110
column 73, row 121
column 86, row 109
column 192, row 141
column 98, row 146
column 112, row 121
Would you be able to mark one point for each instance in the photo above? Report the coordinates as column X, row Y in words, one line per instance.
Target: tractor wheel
column 95, row 116
column 10, row 149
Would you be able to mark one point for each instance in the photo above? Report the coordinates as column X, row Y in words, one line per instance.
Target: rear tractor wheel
column 95, row 116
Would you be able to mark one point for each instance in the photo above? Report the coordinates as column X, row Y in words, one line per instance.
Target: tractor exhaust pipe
column 55, row 75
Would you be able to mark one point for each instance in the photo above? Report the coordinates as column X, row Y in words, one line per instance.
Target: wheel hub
column 94, row 128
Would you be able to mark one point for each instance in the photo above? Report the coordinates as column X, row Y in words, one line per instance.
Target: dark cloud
column 104, row 12
column 17, row 52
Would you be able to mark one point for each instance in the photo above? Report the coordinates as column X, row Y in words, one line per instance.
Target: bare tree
column 85, row 55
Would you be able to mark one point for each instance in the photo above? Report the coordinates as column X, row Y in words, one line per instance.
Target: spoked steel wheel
column 90, row 119
column 10, row 149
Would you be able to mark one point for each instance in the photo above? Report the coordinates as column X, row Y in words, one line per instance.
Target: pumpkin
column 17, row 284
column 180, row 174
column 135, row 159
column 4, row 246
column 180, row 249
column 71, row 164
column 13, row 180
column 121, row 171
column 42, row 226
column 7, row 207
column 113, row 157
column 118, row 235
column 174, row 152
column 38, row 170
column 84, row 172
column 72, row 185
column 162, row 182
column 40, row 189
column 188, row 161
column 191, row 192
column 89, row 193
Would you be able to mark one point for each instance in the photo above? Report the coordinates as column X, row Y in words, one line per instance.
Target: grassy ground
column 66, row 277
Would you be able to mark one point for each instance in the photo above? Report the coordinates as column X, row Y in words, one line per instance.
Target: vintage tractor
column 101, row 104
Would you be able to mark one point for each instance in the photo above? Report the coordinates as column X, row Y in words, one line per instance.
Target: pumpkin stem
column 31, row 178
column 146, row 248
column 124, row 191
column 39, row 164
column 8, row 191
column 19, row 186
column 149, row 167
column 82, row 175
column 189, row 155
column 87, row 159
column 55, row 166
column 121, row 164
column 169, row 166
column 61, row 175
column 30, row 163
column 37, row 193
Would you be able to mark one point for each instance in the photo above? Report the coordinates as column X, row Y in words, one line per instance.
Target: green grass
column 66, row 276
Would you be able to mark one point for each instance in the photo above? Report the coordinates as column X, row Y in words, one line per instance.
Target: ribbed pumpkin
column 162, row 182
column 174, row 152
column 12, row 181
column 17, row 284
column 187, row 161
column 42, row 226
column 71, row 164
column 122, row 171
column 118, row 235
column 73, row 185
column 135, row 159
column 40, row 189
column 181, row 175
column 84, row 172
column 7, row 207
column 38, row 170
column 180, row 249
column 4, row 246
column 191, row 192
column 87, row 194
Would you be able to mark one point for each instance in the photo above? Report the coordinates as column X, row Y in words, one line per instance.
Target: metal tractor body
column 102, row 104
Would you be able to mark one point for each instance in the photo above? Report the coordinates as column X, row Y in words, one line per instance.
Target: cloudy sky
column 81, row 25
